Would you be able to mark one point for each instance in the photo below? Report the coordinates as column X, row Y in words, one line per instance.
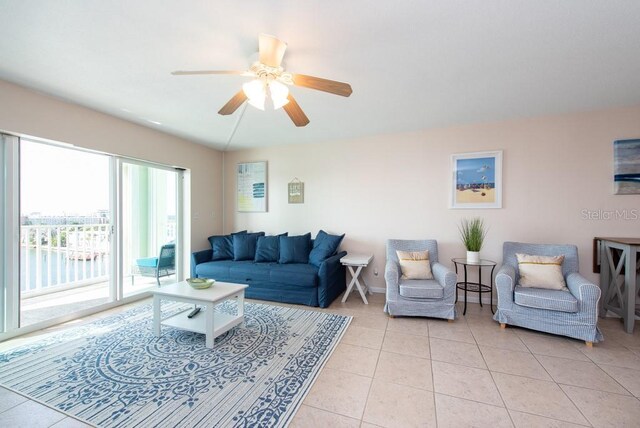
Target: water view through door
column 65, row 231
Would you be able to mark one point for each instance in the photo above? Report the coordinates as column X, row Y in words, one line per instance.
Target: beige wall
column 397, row 186
column 30, row 113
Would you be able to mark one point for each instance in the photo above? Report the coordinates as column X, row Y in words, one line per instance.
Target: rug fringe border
column 327, row 357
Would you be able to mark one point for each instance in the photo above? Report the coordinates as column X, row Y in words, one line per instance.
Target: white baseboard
column 471, row 297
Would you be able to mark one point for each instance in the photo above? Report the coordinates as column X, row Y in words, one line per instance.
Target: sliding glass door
column 81, row 231
column 149, row 225
column 65, row 231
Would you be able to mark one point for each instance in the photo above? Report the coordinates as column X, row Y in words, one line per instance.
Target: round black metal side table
column 475, row 287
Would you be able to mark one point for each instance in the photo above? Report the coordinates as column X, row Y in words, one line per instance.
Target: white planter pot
column 473, row 256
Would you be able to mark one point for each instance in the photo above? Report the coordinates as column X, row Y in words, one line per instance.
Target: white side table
column 358, row 261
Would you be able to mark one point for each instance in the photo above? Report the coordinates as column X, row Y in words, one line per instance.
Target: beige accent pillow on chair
column 414, row 264
column 541, row 271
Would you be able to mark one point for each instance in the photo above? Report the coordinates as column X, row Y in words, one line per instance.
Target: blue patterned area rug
column 115, row 373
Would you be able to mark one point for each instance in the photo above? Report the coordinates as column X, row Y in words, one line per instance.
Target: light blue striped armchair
column 416, row 297
column 572, row 312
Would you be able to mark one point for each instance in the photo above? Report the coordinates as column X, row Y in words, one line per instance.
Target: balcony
column 66, row 268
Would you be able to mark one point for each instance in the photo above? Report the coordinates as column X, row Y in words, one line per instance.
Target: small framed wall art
column 295, row 191
column 251, row 181
column 476, row 180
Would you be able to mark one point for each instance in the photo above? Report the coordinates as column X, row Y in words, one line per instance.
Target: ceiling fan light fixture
column 279, row 94
column 270, row 79
column 256, row 93
column 257, row 103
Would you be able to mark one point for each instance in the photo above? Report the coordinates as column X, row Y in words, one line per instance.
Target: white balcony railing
column 59, row 256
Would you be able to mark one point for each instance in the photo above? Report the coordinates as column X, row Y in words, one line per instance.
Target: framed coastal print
column 476, row 180
column 626, row 165
column 251, row 179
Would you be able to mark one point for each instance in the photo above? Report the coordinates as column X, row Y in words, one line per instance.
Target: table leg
column 359, row 286
column 630, row 285
column 605, row 278
column 350, row 286
column 240, row 303
column 465, row 290
column 491, row 285
column 456, row 266
column 209, row 325
column 480, row 284
column 156, row 315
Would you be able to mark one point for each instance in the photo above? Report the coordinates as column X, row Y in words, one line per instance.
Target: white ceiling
column 413, row 64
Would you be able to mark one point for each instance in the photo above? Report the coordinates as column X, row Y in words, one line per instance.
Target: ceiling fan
column 270, row 80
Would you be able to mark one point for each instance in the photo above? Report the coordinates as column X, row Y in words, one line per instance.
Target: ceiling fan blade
column 233, row 104
column 295, row 112
column 184, row 73
column 325, row 85
column 271, row 50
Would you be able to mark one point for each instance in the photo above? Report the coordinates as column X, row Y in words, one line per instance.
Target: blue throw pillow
column 295, row 249
column 222, row 246
column 268, row 248
column 244, row 246
column 324, row 246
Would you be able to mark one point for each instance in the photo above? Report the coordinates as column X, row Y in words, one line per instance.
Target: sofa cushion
column 218, row 270
column 421, row 289
column 147, row 262
column 540, row 298
column 268, row 248
column 246, row 273
column 541, row 271
column 222, row 246
column 301, row 275
column 244, row 246
column 324, row 246
column 295, row 249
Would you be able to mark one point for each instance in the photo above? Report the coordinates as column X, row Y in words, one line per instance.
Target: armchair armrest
column 505, row 284
column 587, row 293
column 331, row 279
column 445, row 276
column 391, row 277
column 199, row 257
column 506, row 277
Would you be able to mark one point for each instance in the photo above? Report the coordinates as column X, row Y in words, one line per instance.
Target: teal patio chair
column 158, row 267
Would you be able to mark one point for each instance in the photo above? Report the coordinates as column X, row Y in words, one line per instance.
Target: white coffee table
column 207, row 321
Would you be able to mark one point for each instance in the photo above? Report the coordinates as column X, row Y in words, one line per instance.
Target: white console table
column 619, row 292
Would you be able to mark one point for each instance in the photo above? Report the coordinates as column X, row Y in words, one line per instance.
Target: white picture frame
column 251, row 187
column 476, row 180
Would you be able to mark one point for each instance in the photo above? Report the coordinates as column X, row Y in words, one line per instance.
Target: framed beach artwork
column 251, row 180
column 476, row 180
column 626, row 165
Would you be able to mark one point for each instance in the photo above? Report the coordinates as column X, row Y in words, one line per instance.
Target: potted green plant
column 472, row 233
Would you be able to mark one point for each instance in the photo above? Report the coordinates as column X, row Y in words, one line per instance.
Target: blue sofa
column 312, row 276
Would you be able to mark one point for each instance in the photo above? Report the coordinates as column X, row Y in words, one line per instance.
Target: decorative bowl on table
column 200, row 283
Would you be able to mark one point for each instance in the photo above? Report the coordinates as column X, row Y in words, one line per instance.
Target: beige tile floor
column 406, row 372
